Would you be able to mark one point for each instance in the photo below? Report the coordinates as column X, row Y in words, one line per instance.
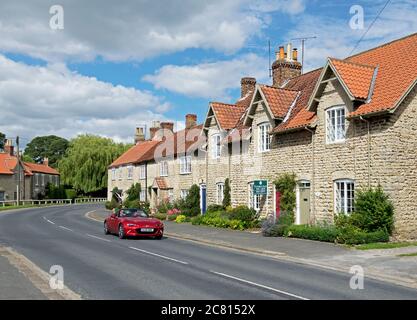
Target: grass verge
column 385, row 245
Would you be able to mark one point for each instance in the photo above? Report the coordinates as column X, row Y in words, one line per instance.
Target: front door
column 304, row 202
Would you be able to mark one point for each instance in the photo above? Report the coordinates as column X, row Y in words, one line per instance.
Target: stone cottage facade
column 347, row 126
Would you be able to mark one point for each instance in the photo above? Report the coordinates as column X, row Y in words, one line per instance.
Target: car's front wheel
column 159, row 237
column 121, row 232
column 106, row 228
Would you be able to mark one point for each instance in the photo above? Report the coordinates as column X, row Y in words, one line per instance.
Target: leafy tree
column 2, row 139
column 26, row 158
column 226, row 193
column 86, row 162
column 51, row 147
column 133, row 192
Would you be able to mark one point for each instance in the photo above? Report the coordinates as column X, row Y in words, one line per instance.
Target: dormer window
column 216, row 146
column 335, row 125
column 264, row 139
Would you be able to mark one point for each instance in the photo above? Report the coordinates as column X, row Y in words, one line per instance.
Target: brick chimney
column 154, row 129
column 285, row 67
column 45, row 161
column 247, row 84
column 167, row 126
column 190, row 120
column 139, row 135
column 8, row 147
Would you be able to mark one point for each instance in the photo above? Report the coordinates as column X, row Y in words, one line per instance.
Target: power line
column 370, row 26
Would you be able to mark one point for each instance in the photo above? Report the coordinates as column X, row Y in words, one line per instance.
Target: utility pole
column 303, row 40
column 18, row 171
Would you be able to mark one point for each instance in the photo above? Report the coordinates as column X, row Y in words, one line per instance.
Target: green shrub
column 160, row 216
column 110, row 205
column 214, row 208
column 353, row 235
column 226, row 193
column 273, row 230
column 242, row 213
column 318, row 233
column 373, row 211
column 286, row 184
column 197, row 220
column 164, row 206
column 191, row 205
column 70, row 194
column 181, row 218
column 132, row 204
column 172, row 217
column 133, row 192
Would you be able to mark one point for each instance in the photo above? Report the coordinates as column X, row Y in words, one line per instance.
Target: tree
column 191, row 206
column 86, row 162
column 2, row 139
column 51, row 147
column 133, row 192
column 226, row 193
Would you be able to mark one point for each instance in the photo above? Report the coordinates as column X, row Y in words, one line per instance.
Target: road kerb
column 38, row 277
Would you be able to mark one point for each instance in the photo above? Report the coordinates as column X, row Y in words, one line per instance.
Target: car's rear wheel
column 106, row 228
column 121, row 232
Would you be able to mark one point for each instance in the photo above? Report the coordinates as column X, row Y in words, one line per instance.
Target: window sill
column 184, row 173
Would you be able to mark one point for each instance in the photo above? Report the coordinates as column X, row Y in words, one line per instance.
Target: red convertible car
column 133, row 223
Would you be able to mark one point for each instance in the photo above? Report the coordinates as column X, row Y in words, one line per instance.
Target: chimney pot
column 281, row 55
column 295, row 54
column 167, row 126
column 286, row 67
column 190, row 120
column 139, row 135
column 247, row 84
column 45, row 161
column 8, row 147
column 289, row 51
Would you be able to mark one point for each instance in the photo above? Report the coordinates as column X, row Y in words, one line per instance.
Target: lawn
column 385, row 245
column 408, row 254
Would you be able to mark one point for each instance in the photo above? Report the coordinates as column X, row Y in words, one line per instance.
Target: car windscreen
column 132, row 213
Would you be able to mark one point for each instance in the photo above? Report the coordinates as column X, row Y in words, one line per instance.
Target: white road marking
column 95, row 237
column 259, row 285
column 65, row 228
column 158, row 255
column 48, row 220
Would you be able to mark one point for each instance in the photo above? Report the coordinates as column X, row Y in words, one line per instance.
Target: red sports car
column 133, row 223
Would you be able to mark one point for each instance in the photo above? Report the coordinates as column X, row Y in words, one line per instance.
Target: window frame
column 142, row 172
column 130, row 172
column 264, row 139
column 219, row 193
column 336, row 138
column 185, row 164
column 142, row 195
column 216, row 150
column 343, row 203
column 163, row 168
column 183, row 193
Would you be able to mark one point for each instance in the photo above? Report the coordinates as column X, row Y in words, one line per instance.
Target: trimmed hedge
column 219, row 220
column 327, row 233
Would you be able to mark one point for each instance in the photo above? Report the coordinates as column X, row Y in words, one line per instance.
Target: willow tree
column 86, row 162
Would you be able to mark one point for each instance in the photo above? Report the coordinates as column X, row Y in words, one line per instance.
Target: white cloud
column 132, row 29
column 336, row 39
column 209, row 80
column 53, row 100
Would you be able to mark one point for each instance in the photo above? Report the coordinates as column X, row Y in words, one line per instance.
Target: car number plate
column 146, row 230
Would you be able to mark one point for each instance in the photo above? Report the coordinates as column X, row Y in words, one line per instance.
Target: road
column 104, row 267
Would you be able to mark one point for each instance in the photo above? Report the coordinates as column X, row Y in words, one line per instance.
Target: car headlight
column 131, row 225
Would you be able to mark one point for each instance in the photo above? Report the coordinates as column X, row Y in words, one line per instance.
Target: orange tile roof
column 227, row 114
column 357, row 77
column 7, row 163
column 40, row 168
column 299, row 116
column 279, row 99
column 161, row 183
column 140, row 152
column 182, row 141
column 397, row 72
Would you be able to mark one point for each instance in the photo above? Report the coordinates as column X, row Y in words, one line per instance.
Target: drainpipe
column 146, row 182
column 313, row 184
column 369, row 149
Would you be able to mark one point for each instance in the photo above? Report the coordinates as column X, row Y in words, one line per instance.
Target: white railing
column 89, row 200
column 35, row 202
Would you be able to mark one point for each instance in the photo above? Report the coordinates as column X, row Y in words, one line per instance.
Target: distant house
column 33, row 177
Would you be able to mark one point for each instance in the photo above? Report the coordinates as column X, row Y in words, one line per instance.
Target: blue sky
column 116, row 66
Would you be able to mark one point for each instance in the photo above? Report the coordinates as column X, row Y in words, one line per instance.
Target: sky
column 114, row 65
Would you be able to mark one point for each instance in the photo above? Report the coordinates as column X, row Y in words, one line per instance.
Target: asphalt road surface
column 104, row 267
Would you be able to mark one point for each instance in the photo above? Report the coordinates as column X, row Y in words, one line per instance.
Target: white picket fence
column 51, row 201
